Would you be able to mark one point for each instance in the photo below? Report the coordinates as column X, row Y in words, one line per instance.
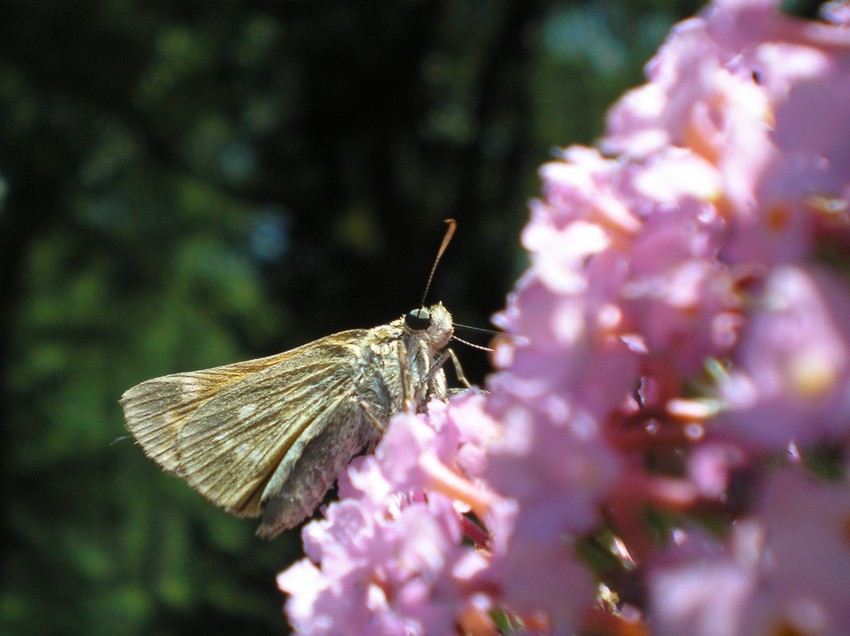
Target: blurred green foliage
column 185, row 184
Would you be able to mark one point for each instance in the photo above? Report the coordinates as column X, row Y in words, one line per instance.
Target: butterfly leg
column 370, row 415
column 447, row 355
column 404, row 375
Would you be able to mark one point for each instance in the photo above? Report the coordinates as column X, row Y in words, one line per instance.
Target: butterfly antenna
column 471, row 344
column 446, row 240
column 478, row 329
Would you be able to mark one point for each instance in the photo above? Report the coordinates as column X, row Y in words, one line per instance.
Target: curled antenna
column 446, row 240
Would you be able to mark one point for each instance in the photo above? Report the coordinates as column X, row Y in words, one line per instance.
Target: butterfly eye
column 418, row 320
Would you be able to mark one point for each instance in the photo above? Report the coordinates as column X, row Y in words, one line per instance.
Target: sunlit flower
column 681, row 338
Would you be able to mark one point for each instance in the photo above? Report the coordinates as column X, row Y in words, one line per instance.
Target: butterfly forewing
column 226, row 430
column 233, row 444
column 156, row 410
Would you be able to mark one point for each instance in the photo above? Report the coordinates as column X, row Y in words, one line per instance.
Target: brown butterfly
column 269, row 436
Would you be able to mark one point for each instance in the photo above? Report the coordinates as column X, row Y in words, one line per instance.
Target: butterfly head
column 434, row 324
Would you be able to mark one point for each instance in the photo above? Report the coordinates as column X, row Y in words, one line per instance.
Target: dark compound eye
column 418, row 319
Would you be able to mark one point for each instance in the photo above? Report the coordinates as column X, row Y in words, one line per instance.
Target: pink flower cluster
column 663, row 447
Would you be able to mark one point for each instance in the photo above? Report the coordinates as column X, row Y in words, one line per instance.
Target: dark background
column 190, row 183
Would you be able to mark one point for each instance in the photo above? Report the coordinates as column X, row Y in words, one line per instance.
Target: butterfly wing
column 157, row 409
column 227, row 430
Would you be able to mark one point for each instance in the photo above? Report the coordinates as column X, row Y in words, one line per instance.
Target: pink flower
column 806, row 557
column 710, row 467
column 681, row 333
column 565, row 344
column 783, row 570
column 389, row 558
column 555, row 470
column 681, row 297
column 369, row 573
column 699, row 588
column 791, row 379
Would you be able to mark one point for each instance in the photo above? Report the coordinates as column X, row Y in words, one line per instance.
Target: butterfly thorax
column 400, row 357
